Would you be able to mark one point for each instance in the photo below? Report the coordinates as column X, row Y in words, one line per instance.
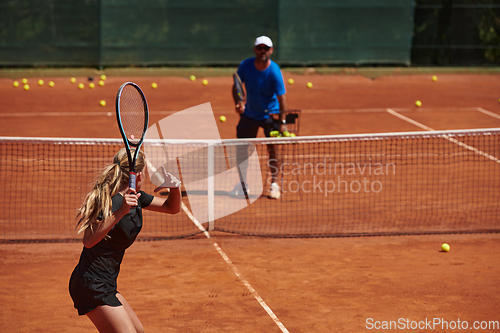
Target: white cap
column 264, row 40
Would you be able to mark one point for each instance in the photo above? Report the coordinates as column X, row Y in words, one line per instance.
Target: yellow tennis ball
column 26, row 87
column 445, row 247
column 81, row 86
column 40, row 82
column 192, row 77
column 286, row 133
column 51, row 84
column 291, row 81
column 154, row 85
column 103, row 77
column 101, row 83
column 91, row 85
column 15, row 84
column 24, row 81
column 205, row 82
column 292, row 135
column 418, row 103
column 434, row 78
column 309, row 85
column 102, row 103
column 222, row 118
column 73, row 80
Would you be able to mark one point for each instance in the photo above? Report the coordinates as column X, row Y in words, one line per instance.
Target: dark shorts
column 248, row 128
column 89, row 293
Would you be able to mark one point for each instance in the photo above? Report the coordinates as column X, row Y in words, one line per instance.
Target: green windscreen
column 203, row 32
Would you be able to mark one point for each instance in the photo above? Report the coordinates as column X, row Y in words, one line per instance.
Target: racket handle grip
column 131, row 182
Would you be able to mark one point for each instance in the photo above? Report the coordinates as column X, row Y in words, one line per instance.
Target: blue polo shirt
column 262, row 89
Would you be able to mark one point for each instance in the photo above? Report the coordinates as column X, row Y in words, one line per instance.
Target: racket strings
column 132, row 113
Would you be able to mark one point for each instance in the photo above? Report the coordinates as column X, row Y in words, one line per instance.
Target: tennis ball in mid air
column 205, row 82
column 222, row 118
column 24, row 81
column 434, row 78
column 418, row 103
column 102, row 103
column 91, row 85
column 51, row 84
column 81, row 86
column 192, row 77
column 15, row 84
column 290, row 81
column 309, row 85
column 40, row 82
column 103, row 77
column 26, row 87
column 445, row 247
column 73, row 80
column 154, row 85
column 101, row 83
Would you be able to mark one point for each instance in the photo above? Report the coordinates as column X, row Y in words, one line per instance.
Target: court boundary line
column 233, row 267
column 308, row 111
column 461, row 144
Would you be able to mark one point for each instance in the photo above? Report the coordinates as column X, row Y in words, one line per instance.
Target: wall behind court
column 104, row 33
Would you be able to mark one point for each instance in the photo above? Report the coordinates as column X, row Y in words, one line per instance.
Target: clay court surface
column 309, row 285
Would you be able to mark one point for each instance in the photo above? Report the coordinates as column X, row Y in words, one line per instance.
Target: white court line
column 230, row 264
column 111, row 112
column 489, row 113
column 461, row 144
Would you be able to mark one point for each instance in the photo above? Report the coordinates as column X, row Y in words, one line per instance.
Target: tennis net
column 349, row 185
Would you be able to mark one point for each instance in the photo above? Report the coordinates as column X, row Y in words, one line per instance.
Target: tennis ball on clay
column 73, row 80
column 292, row 135
column 40, row 82
column 222, row 118
column 26, row 87
column 286, row 133
column 51, row 84
column 192, row 77
column 291, row 81
column 91, row 85
column 101, row 83
column 418, row 103
column 102, row 103
column 81, row 86
column 434, row 78
column 205, row 82
column 309, row 85
column 15, row 84
column 103, row 77
column 445, row 247
column 24, row 81
column 154, row 85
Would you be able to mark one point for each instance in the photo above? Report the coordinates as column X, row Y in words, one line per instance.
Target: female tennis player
column 110, row 219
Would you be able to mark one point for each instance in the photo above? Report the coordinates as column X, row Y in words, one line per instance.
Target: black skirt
column 89, row 293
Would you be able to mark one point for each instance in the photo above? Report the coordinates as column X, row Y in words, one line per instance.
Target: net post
column 210, row 184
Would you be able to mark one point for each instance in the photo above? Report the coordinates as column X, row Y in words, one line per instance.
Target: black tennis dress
column 93, row 282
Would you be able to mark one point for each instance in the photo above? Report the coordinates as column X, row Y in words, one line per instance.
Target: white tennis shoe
column 275, row 191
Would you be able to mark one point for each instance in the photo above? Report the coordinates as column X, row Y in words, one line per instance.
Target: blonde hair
column 114, row 177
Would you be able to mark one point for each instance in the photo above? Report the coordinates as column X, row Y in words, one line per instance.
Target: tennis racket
column 239, row 87
column 133, row 117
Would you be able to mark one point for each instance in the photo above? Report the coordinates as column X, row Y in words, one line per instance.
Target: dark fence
column 99, row 33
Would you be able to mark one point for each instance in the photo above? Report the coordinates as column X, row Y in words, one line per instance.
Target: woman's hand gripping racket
column 133, row 117
column 238, row 94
